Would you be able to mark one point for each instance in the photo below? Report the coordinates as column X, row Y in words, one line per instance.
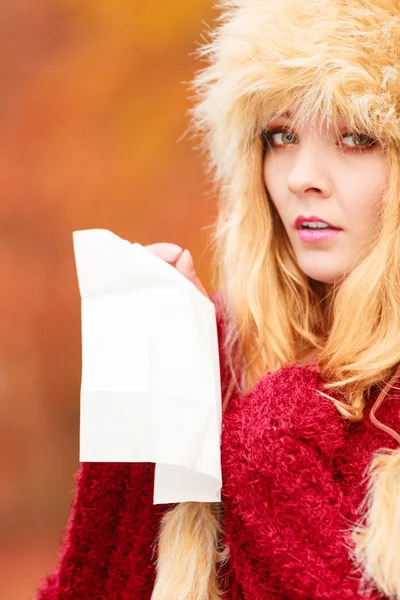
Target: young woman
column 299, row 108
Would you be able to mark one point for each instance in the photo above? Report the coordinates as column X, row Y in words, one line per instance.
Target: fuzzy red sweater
column 293, row 479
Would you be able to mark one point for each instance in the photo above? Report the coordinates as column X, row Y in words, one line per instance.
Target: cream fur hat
column 335, row 58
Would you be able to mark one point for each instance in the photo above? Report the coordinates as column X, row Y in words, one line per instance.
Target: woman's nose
column 311, row 171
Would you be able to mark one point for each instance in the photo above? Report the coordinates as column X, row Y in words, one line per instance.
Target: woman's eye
column 287, row 137
column 360, row 139
column 281, row 137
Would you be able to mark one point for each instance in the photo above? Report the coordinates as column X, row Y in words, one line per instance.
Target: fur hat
column 334, row 58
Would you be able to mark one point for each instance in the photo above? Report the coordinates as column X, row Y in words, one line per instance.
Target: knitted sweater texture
column 294, row 476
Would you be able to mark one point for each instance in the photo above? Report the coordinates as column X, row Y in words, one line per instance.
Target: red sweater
column 293, row 477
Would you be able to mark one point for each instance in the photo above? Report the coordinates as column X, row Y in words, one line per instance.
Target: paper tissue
column 150, row 388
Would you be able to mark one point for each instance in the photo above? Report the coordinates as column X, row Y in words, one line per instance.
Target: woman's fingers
column 185, row 266
column 172, row 253
column 168, row 252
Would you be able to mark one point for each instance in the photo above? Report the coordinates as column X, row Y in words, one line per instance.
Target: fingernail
column 175, row 248
column 170, row 252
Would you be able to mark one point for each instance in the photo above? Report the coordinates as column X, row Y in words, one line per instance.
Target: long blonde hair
column 337, row 59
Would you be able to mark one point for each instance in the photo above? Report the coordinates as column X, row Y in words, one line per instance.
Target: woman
column 299, row 109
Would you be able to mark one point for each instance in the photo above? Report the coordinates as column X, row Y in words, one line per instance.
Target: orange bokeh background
column 93, row 108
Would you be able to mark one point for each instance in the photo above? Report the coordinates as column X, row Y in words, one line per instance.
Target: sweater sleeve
column 108, row 550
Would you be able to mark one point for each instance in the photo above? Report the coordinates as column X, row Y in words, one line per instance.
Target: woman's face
column 336, row 177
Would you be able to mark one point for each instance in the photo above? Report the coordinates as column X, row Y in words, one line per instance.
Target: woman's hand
column 172, row 253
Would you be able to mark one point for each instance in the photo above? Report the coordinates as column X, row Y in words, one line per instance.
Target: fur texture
column 378, row 541
column 108, row 548
column 334, row 57
column 293, row 472
column 202, row 532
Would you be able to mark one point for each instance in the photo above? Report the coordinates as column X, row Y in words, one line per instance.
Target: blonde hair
column 336, row 59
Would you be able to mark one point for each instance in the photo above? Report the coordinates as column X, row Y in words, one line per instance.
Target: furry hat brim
column 331, row 58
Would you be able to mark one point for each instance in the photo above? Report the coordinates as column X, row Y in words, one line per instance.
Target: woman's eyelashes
column 361, row 142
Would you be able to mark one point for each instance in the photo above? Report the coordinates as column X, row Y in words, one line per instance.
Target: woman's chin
column 319, row 272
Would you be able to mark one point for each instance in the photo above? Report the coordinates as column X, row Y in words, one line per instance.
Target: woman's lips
column 317, row 235
column 301, row 219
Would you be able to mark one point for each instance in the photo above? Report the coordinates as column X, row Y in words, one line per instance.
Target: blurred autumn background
column 93, row 105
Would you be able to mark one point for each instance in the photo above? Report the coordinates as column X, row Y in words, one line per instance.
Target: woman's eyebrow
column 286, row 115
column 275, row 117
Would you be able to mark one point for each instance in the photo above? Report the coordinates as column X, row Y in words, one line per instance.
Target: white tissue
column 150, row 387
